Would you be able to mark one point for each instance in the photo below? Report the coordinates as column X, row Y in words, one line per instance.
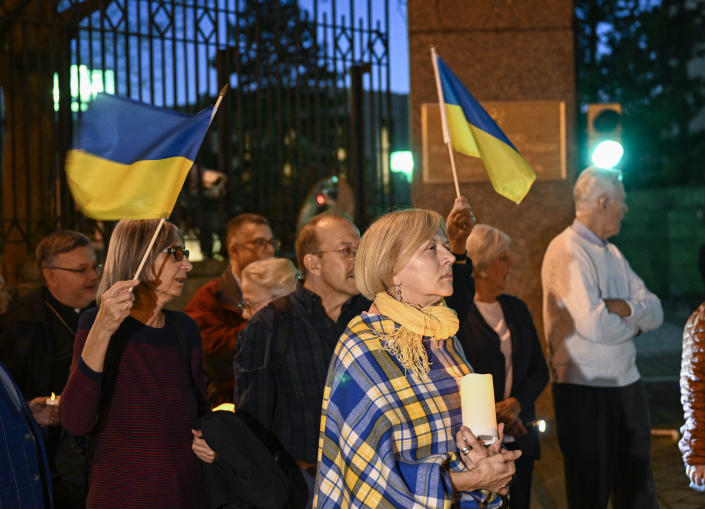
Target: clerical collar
column 67, row 316
column 59, row 306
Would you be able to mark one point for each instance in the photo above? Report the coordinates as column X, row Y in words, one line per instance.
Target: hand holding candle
column 45, row 410
column 477, row 404
column 53, row 400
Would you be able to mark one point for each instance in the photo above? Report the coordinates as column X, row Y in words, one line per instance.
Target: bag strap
column 282, row 324
column 282, row 308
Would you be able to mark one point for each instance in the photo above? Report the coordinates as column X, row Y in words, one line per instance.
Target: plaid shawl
column 388, row 436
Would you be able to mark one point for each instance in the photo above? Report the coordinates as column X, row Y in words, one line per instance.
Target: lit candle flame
column 53, row 396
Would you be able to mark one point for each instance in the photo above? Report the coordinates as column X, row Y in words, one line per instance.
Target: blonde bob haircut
column 276, row 275
column 485, row 243
column 128, row 243
column 388, row 245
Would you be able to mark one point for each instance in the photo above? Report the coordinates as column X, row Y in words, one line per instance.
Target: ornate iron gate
column 309, row 99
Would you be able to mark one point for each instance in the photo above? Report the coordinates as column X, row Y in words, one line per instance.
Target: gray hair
column 484, row 244
column 277, row 275
column 594, row 183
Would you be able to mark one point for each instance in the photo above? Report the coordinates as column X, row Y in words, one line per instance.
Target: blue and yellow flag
column 473, row 132
column 130, row 159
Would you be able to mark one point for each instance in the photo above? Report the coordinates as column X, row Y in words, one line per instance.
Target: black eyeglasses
column 177, row 252
column 346, row 252
column 97, row 268
column 261, row 243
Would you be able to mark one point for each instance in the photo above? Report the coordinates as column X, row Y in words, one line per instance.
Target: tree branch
column 81, row 10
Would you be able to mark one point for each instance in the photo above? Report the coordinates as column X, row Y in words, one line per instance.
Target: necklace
column 63, row 322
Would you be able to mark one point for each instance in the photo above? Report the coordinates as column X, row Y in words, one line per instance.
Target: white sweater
column 588, row 345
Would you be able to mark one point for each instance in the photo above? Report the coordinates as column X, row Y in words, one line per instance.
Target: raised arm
column 114, row 308
column 80, row 400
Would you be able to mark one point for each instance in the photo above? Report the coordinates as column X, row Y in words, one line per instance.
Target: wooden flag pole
column 163, row 219
column 149, row 248
column 222, row 93
column 444, row 121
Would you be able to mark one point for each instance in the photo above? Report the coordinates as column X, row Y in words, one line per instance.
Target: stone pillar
column 504, row 50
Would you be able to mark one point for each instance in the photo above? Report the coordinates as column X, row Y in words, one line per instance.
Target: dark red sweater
column 143, row 455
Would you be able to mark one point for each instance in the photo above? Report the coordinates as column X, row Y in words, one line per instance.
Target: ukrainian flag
column 473, row 132
column 130, row 159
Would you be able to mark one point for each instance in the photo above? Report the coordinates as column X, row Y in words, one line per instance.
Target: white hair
column 594, row 183
column 276, row 275
column 484, row 244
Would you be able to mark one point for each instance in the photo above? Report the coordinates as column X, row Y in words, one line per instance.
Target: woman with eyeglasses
column 136, row 384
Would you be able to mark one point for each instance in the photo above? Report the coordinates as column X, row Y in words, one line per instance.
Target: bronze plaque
column 535, row 128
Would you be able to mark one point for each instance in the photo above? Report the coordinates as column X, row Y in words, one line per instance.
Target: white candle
column 477, row 404
column 52, row 400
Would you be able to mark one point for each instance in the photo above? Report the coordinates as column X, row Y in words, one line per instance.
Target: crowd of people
column 343, row 373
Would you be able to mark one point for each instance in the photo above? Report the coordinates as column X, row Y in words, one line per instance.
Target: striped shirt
column 143, row 456
column 387, row 436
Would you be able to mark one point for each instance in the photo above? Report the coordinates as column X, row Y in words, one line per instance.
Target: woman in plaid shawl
column 391, row 432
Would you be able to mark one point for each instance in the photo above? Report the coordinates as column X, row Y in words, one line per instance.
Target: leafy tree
column 641, row 54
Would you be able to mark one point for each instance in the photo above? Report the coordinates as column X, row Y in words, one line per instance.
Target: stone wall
column 504, row 50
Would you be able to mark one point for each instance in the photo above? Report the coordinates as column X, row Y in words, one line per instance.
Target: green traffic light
column 607, row 154
column 402, row 161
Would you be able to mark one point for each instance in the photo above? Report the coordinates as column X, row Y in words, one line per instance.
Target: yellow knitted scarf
column 438, row 322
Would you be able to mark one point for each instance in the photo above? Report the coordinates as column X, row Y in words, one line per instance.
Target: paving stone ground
column 659, row 363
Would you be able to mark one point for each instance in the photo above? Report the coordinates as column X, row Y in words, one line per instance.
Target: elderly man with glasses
column 217, row 306
column 36, row 344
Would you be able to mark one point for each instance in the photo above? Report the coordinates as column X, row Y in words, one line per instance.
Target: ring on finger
column 465, row 450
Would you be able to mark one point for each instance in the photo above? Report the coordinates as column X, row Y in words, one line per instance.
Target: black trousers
column 605, row 436
column 520, row 488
